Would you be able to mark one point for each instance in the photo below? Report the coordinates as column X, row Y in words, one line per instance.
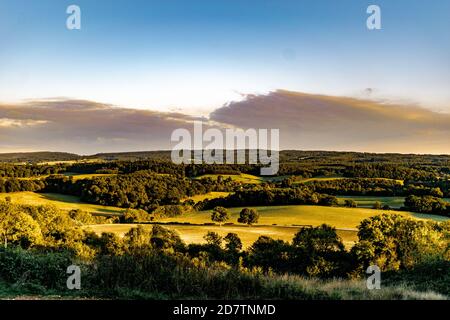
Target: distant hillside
column 135, row 155
column 38, row 156
column 285, row 156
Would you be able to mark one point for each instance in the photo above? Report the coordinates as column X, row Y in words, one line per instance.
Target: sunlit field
column 209, row 195
column 248, row 235
column 63, row 202
column 243, row 178
column 342, row 218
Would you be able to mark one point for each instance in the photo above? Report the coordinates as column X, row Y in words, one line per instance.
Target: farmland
column 278, row 222
column 63, row 202
column 243, row 178
column 369, row 201
column 209, row 195
column 305, row 207
column 248, row 235
column 341, row 218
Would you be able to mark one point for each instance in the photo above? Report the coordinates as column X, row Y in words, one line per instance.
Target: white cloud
column 20, row 123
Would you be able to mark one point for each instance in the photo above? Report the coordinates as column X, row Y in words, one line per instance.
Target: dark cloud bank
column 306, row 121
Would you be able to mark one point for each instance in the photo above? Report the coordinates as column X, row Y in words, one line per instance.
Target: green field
column 77, row 176
column 279, row 222
column 320, row 178
column 63, row 202
column 243, row 178
column 331, row 178
column 209, row 195
column 341, row 218
column 248, row 235
column 74, row 175
column 369, row 201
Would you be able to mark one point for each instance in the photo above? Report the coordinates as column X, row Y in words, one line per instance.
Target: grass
column 369, row 201
column 164, row 276
column 63, row 202
column 319, row 178
column 278, row 222
column 77, row 176
column 74, row 175
column 331, row 178
column 251, row 179
column 209, row 195
column 243, row 178
column 341, row 218
column 248, row 235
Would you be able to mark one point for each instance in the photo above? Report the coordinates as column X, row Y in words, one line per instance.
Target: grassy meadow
column 278, row 222
column 77, row 176
column 243, row 178
column 339, row 217
column 63, row 202
column 369, row 201
column 195, row 233
column 331, row 178
column 209, row 195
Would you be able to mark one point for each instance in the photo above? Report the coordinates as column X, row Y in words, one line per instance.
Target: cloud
column 312, row 122
column 85, row 127
column 16, row 123
column 340, row 123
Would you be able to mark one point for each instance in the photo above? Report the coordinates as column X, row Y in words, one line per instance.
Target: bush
column 393, row 242
column 134, row 215
column 248, row 216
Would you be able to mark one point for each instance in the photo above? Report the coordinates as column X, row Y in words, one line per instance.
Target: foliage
column 248, row 216
column 220, row 214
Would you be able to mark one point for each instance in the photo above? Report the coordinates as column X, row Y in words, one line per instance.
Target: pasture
column 78, row 176
column 331, row 178
column 339, row 217
column 63, row 202
column 369, row 201
column 209, row 195
column 243, row 178
column 248, row 235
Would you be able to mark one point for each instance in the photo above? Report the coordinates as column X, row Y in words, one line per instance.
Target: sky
column 195, row 56
column 139, row 69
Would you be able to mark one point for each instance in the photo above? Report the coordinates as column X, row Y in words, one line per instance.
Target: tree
column 269, row 253
column 220, row 215
column 329, row 201
column 111, row 244
column 19, row 228
column 319, row 252
column 248, row 216
column 213, row 239
column 350, row 203
column 377, row 205
column 134, row 215
column 320, row 239
column 233, row 243
column 163, row 238
column 392, row 241
column 436, row 192
column 137, row 238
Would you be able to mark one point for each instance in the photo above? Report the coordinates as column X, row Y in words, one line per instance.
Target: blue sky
column 194, row 56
